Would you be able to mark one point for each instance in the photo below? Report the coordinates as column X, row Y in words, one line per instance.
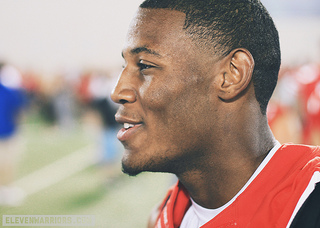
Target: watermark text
column 48, row 220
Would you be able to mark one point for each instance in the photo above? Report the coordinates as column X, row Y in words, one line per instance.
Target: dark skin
column 194, row 112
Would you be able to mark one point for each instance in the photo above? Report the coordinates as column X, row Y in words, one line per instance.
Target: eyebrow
column 144, row 49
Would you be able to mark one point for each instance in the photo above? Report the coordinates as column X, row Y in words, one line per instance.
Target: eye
column 144, row 66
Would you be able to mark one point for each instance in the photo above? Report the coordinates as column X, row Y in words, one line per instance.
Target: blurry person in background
column 63, row 100
column 294, row 111
column 193, row 94
column 99, row 89
column 283, row 109
column 12, row 101
column 307, row 77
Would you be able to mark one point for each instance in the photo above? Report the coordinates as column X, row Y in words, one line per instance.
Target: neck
column 225, row 170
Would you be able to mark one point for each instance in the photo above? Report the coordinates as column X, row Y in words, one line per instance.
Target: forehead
column 160, row 18
column 159, row 28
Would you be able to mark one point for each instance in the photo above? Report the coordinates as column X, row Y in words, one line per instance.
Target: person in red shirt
column 193, row 94
column 308, row 79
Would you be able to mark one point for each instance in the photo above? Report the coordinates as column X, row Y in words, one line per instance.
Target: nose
column 124, row 91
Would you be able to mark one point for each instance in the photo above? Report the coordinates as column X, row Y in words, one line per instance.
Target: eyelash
column 143, row 66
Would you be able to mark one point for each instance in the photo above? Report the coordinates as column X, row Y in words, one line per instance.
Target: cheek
column 176, row 103
column 157, row 95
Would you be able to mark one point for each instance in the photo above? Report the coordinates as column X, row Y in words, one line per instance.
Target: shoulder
column 309, row 213
column 299, row 151
column 300, row 147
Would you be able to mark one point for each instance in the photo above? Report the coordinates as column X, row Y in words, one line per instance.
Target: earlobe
column 237, row 73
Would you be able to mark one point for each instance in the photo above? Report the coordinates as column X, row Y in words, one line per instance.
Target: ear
column 237, row 73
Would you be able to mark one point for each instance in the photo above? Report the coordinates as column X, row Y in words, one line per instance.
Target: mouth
column 128, row 131
column 128, row 126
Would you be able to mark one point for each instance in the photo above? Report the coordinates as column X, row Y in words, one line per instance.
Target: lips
column 130, row 128
column 125, row 134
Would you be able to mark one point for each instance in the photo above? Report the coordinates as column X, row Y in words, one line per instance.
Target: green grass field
column 117, row 202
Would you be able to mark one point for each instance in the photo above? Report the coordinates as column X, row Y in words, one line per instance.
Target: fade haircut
column 224, row 25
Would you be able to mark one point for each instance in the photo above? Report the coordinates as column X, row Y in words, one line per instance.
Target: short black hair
column 229, row 24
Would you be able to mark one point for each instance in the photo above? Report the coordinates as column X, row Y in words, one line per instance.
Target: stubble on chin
column 163, row 165
column 129, row 170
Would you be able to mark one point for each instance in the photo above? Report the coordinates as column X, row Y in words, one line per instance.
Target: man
column 12, row 101
column 193, row 93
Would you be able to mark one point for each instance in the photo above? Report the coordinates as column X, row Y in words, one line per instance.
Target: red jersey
column 269, row 200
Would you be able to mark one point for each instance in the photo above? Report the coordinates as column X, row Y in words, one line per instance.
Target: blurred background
column 58, row 63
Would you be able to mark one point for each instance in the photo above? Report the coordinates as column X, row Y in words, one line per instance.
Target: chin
column 133, row 169
column 132, row 166
column 130, row 170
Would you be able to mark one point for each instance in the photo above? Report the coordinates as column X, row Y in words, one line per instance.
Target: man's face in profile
column 164, row 92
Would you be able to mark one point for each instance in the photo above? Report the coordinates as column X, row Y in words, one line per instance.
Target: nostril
column 123, row 101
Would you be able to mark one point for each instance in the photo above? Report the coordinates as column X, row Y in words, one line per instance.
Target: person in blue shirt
column 12, row 101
